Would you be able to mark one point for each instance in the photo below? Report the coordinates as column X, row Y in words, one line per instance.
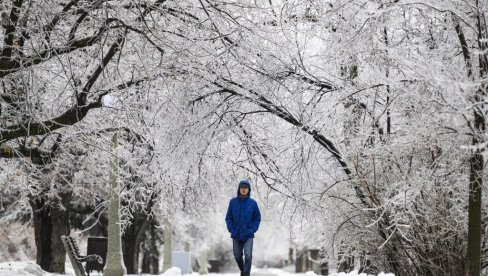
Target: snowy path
column 31, row 269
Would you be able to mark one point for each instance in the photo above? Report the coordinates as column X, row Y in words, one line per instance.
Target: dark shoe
column 242, row 273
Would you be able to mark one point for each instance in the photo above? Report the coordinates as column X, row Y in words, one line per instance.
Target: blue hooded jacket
column 243, row 216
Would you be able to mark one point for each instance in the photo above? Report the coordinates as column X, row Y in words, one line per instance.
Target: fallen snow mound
column 21, row 268
column 174, row 271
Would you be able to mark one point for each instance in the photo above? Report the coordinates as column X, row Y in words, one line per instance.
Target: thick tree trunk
column 154, row 258
column 131, row 241
column 130, row 249
column 150, row 257
column 42, row 234
column 146, row 261
column 301, row 264
column 291, row 260
column 476, row 160
column 474, row 208
column 49, row 224
column 150, row 262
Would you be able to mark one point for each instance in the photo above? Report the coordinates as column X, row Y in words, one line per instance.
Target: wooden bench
column 75, row 257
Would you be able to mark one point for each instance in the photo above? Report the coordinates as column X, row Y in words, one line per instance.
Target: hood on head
column 244, row 182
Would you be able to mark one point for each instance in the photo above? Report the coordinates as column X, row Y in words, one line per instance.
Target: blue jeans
column 239, row 248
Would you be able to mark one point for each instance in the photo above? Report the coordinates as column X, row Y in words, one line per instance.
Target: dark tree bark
column 131, row 241
column 50, row 222
column 150, row 257
column 474, row 213
column 476, row 161
column 146, row 261
column 130, row 249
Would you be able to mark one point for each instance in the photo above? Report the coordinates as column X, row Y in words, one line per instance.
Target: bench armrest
column 90, row 258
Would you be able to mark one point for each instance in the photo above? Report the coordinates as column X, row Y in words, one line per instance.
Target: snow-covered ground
column 31, row 269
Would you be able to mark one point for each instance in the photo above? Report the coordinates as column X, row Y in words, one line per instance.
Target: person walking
column 243, row 219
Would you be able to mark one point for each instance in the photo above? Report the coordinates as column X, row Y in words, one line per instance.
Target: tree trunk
column 290, row 256
column 49, row 224
column 114, row 265
column 474, row 208
column 146, row 261
column 203, row 263
column 476, row 160
column 150, row 258
column 167, row 262
column 301, row 261
column 154, row 260
column 153, row 250
column 130, row 249
column 131, row 241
